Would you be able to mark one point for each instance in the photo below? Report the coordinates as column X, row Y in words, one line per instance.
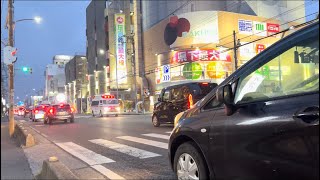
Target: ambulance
column 105, row 104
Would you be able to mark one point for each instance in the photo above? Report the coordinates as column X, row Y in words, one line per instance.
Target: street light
column 36, row 19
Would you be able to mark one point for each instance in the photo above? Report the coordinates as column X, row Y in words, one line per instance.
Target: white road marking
column 169, row 132
column 145, row 141
column 84, row 154
column 44, row 135
column 161, row 136
column 106, row 172
column 39, row 125
column 22, row 120
column 139, row 153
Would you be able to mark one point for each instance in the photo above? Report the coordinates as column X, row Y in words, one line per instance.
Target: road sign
column 9, row 54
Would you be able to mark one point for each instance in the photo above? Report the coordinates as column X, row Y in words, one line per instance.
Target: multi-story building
column 76, row 82
column 193, row 40
column 55, row 76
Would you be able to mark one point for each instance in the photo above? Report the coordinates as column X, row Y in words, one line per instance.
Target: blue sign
column 166, row 73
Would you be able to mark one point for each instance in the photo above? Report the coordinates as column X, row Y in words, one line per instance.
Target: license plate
column 62, row 113
column 39, row 116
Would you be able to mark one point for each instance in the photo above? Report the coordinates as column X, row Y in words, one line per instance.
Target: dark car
column 38, row 112
column 59, row 112
column 27, row 111
column 178, row 98
column 262, row 122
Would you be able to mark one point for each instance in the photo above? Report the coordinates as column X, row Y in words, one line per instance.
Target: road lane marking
column 44, row 135
column 169, row 132
column 139, row 153
column 145, row 141
column 39, row 125
column 84, row 154
column 22, row 120
column 106, row 172
column 161, row 136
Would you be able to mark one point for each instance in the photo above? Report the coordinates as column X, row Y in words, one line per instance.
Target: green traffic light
column 25, row 69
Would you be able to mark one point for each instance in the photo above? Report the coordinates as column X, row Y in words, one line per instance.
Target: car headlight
column 177, row 118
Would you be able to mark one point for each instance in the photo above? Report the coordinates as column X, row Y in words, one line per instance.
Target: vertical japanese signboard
column 120, row 48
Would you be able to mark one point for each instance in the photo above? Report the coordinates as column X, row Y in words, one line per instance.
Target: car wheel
column 117, row 115
column 66, row 120
column 188, row 163
column 45, row 121
column 72, row 120
column 93, row 114
column 155, row 121
column 50, row 121
column 100, row 114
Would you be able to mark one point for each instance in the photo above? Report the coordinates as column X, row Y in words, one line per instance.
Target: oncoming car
column 105, row 105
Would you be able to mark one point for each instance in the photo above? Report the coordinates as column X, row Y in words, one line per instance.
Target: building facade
column 76, row 86
column 55, row 77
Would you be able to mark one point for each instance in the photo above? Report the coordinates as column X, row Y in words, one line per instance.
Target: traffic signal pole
column 11, row 68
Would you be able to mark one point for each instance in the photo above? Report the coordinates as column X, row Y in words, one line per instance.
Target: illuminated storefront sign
column 120, row 48
column 256, row 28
column 260, row 48
column 199, row 55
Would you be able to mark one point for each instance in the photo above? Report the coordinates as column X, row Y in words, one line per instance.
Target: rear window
column 95, row 103
column 112, row 101
column 66, row 106
column 202, row 89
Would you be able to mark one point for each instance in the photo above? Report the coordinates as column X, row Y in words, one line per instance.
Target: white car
column 105, row 105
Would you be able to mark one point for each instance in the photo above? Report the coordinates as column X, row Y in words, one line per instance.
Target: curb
column 23, row 136
column 54, row 169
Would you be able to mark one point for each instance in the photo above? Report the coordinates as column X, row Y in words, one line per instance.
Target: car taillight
column 190, row 101
column 36, row 111
column 51, row 110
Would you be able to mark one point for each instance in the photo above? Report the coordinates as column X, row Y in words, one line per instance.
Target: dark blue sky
column 62, row 31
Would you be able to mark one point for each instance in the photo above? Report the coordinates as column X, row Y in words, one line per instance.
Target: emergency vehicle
column 105, row 104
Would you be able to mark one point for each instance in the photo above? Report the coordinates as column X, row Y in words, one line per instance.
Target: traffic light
column 27, row 69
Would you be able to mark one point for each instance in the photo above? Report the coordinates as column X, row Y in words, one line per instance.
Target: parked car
column 262, row 122
column 59, row 112
column 178, row 98
column 39, row 112
column 21, row 110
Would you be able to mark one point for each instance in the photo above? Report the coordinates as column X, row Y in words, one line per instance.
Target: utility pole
column 235, row 48
column 11, row 68
column 131, row 39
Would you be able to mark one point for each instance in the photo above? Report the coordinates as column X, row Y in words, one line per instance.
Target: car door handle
column 309, row 115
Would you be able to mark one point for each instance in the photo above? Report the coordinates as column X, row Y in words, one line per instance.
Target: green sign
column 192, row 71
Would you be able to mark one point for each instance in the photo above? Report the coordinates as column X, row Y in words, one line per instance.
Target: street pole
column 235, row 50
column 11, row 69
column 134, row 72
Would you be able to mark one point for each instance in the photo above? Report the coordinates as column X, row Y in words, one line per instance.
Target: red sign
column 260, row 48
column 199, row 55
column 273, row 28
column 120, row 20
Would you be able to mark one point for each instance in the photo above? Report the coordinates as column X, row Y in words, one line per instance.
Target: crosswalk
column 140, row 147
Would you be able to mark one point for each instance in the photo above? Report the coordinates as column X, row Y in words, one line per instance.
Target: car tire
column 185, row 150
column 72, row 120
column 66, row 120
column 45, row 121
column 50, row 121
column 155, row 121
column 93, row 114
column 116, row 115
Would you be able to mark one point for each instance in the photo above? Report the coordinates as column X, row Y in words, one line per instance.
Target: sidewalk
column 14, row 164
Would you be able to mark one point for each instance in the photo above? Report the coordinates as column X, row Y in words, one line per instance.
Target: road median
column 24, row 136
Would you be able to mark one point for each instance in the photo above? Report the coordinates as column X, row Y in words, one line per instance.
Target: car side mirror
column 224, row 94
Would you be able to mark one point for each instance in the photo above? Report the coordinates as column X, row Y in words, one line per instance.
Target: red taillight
column 36, row 111
column 61, row 105
column 51, row 110
column 190, row 101
column 205, row 83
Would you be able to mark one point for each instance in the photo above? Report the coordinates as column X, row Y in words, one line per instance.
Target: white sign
column 166, row 73
column 120, row 48
column 9, row 54
column 245, row 26
column 259, row 28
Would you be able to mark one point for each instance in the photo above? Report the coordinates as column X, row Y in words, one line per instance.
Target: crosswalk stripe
column 84, row 154
column 145, row 141
column 107, row 172
column 139, row 153
column 161, row 136
column 169, row 132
